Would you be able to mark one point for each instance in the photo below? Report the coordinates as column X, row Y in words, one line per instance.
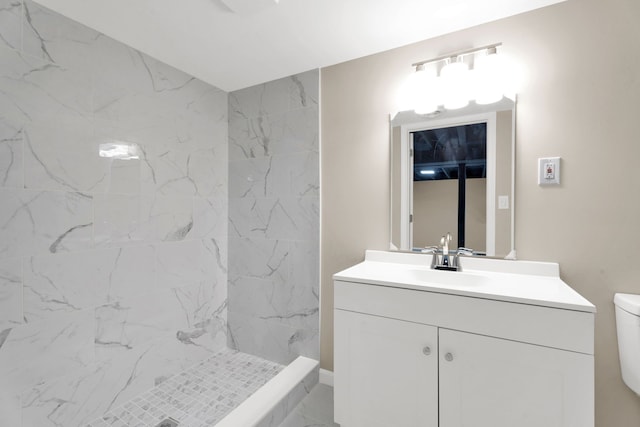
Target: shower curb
column 271, row 404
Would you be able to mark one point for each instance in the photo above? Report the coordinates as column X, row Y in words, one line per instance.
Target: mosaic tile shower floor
column 198, row 397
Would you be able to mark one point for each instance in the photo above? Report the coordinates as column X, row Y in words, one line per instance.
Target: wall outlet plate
column 549, row 171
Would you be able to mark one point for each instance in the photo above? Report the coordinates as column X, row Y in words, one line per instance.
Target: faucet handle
column 433, row 250
column 430, row 250
column 459, row 252
column 464, row 251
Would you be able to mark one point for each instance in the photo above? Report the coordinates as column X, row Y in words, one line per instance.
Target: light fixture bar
column 456, row 54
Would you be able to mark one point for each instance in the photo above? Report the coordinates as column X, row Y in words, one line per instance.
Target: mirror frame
column 410, row 122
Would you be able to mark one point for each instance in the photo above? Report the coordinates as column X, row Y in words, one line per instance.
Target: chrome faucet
column 444, row 242
column 433, row 250
column 442, row 260
column 459, row 252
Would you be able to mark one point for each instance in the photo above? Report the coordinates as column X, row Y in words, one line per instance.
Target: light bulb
column 455, row 82
column 489, row 78
column 427, row 96
column 419, row 92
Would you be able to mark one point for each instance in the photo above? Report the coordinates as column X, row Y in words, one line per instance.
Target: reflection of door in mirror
column 488, row 224
column 449, row 175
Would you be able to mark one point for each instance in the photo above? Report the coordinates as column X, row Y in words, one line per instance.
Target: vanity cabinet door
column 385, row 372
column 491, row 382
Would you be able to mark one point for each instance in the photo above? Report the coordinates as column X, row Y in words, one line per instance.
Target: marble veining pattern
column 113, row 272
column 39, row 222
column 274, row 218
column 11, row 156
column 11, row 311
column 10, row 23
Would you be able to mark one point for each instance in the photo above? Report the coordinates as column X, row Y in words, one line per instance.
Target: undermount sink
column 449, row 278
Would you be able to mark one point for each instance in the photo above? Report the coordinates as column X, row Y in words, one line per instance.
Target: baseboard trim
column 326, row 377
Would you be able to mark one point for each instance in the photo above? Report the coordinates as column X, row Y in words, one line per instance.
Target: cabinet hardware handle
column 426, row 351
column 448, row 357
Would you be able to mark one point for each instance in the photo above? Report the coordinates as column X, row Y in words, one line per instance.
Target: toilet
column 628, row 325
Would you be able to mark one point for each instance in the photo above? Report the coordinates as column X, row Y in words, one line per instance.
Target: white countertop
column 526, row 282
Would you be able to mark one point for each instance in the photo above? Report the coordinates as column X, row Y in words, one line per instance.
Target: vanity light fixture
column 420, row 91
column 488, row 77
column 427, row 172
column 457, row 85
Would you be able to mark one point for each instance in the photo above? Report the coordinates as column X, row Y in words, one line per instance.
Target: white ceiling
column 269, row 39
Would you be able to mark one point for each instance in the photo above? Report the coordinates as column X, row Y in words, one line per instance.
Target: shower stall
column 158, row 236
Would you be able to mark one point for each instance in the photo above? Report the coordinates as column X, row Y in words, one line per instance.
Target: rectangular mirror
column 452, row 171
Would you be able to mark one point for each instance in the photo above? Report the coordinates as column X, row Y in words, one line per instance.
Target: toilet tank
column 628, row 326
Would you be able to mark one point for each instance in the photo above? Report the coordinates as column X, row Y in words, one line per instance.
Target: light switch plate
column 503, row 202
column 549, row 171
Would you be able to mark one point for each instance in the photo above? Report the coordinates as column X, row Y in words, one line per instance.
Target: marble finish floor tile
column 198, row 397
column 315, row 410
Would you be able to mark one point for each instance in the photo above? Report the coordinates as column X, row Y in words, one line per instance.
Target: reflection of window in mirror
column 450, row 166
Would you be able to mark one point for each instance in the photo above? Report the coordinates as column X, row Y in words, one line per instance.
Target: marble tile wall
column 274, row 218
column 113, row 272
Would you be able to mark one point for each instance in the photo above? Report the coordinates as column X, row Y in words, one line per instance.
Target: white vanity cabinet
column 487, row 381
column 390, row 372
column 420, row 356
